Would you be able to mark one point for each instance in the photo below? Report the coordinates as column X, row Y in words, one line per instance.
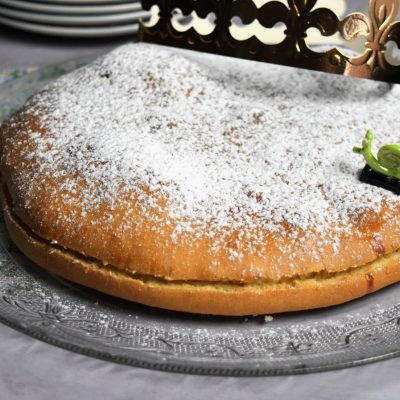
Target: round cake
column 204, row 184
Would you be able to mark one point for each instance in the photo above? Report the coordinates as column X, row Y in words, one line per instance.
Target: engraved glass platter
column 82, row 320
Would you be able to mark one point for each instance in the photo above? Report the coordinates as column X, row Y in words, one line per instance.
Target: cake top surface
column 231, row 144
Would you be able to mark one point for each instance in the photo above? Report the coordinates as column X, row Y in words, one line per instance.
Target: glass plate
column 79, row 319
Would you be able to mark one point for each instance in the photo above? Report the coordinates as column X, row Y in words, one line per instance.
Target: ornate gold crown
column 298, row 16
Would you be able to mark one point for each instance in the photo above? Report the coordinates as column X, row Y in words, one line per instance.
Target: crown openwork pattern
column 379, row 28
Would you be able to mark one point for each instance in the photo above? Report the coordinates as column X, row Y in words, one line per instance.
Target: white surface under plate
column 72, row 8
column 75, row 20
column 68, row 31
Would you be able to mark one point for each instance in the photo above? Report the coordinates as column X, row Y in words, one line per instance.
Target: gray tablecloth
column 32, row 370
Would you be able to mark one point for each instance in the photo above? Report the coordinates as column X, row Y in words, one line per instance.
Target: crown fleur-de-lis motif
column 379, row 28
column 299, row 16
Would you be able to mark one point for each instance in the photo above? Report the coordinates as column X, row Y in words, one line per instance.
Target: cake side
column 216, row 298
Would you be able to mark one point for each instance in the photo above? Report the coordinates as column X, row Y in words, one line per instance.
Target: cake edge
column 229, row 299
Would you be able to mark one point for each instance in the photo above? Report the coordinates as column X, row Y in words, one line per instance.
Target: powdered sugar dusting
column 231, row 144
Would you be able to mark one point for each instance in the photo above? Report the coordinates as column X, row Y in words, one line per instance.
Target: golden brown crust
column 148, row 249
column 207, row 297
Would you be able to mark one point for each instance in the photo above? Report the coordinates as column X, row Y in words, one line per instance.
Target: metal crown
column 379, row 28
